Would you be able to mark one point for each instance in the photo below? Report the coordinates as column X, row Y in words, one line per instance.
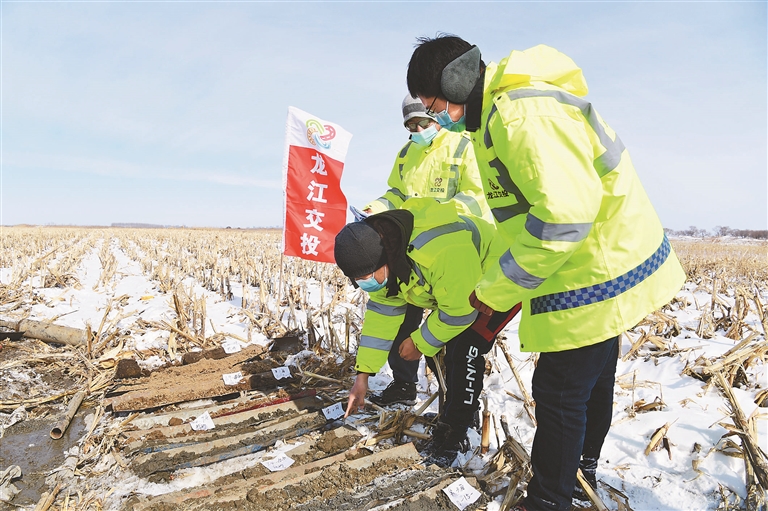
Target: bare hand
column 357, row 394
column 475, row 302
column 408, row 350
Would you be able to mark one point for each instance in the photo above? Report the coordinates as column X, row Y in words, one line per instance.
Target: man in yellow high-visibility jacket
column 587, row 255
column 429, row 256
column 434, row 163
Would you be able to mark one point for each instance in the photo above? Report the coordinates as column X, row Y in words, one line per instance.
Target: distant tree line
column 719, row 231
column 136, row 225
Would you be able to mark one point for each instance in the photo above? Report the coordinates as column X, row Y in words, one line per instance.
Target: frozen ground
column 693, row 474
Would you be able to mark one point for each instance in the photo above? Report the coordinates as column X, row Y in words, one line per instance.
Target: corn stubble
column 274, row 289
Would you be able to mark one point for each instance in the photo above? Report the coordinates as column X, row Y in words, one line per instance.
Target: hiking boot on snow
column 445, row 445
column 588, row 468
column 439, row 433
column 397, row 392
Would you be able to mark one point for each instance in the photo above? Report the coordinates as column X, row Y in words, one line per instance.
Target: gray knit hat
column 413, row 107
column 358, row 250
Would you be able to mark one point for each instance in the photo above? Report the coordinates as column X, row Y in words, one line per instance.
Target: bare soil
column 330, row 488
column 28, row 443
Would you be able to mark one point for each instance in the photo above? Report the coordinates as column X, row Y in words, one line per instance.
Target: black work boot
column 439, row 432
column 397, row 392
column 588, row 468
column 445, row 445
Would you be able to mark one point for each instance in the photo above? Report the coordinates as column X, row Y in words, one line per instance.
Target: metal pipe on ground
column 61, row 426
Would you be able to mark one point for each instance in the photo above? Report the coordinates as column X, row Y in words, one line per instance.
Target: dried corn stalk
column 660, row 441
column 754, row 456
column 621, row 500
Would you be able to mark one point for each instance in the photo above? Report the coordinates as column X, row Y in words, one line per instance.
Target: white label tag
column 231, row 346
column 281, row 372
column 202, row 423
column 279, row 462
column 334, row 411
column 232, row 378
column 461, row 493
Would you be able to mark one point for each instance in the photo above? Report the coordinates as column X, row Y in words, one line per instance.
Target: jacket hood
column 538, row 64
column 396, row 226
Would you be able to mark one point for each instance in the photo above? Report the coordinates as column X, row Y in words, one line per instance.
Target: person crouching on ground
column 427, row 255
column 433, row 163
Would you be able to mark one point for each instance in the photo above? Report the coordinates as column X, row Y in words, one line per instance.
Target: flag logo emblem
column 320, row 135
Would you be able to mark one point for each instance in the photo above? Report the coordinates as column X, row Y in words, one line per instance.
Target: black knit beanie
column 358, row 250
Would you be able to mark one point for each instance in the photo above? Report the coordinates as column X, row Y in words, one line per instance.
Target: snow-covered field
column 127, row 286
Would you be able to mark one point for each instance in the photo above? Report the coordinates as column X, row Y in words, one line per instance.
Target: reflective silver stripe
column 453, row 182
column 386, row 310
column 470, row 202
column 611, row 158
column 516, row 274
column 405, row 149
column 429, row 336
column 475, row 232
column 427, row 236
column 556, row 232
column 401, row 171
column 375, row 343
column 607, row 161
column 460, row 148
column 457, row 320
column 398, row 193
column 387, row 204
column 417, row 270
column 487, row 135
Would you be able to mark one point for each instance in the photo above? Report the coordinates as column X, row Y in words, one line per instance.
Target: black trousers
column 573, row 391
column 465, row 367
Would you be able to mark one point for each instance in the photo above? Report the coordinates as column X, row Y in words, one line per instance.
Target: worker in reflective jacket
column 434, row 163
column 586, row 253
column 426, row 255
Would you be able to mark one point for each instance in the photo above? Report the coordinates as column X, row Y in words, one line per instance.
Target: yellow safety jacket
column 448, row 253
column 587, row 254
column 444, row 170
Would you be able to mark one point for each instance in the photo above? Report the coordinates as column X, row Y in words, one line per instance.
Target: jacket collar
column 474, row 104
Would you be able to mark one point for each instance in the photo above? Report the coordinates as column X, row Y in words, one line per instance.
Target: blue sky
column 173, row 112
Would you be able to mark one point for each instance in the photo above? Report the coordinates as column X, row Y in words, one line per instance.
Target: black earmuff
column 460, row 75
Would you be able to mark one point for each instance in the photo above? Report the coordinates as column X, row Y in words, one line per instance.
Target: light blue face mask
column 371, row 284
column 444, row 119
column 424, row 137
